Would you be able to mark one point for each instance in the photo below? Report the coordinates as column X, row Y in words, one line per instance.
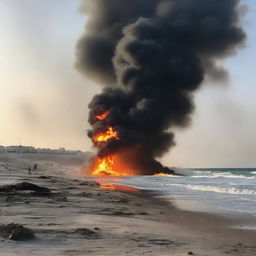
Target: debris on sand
column 143, row 213
column 123, row 200
column 121, row 213
column 16, row 232
column 94, row 184
column 44, row 177
column 25, row 186
column 86, row 233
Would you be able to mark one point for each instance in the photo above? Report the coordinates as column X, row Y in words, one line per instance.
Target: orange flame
column 116, row 187
column 106, row 136
column 109, row 166
column 102, row 116
column 163, row 174
column 106, row 166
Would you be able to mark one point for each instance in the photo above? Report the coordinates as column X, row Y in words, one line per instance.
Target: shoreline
column 227, row 218
column 123, row 222
column 187, row 204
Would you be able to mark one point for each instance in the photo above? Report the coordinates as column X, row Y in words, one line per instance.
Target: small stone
column 85, row 232
column 121, row 213
column 191, row 253
column 143, row 213
column 90, row 184
column 123, row 200
column 44, row 177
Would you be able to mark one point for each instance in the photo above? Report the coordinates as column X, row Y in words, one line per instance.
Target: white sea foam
column 223, row 175
column 203, row 172
column 214, row 174
column 231, row 190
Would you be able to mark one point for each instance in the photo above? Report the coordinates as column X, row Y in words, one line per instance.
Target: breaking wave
column 232, row 190
column 209, row 174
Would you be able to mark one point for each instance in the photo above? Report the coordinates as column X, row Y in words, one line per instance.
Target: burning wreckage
column 150, row 56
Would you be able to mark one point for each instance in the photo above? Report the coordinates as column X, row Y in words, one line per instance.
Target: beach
column 87, row 216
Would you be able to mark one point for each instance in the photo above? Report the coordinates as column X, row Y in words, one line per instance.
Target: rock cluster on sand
column 25, row 186
column 16, row 232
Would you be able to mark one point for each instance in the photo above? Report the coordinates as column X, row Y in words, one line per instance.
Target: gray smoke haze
column 151, row 56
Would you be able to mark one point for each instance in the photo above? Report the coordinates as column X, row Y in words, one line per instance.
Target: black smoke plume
column 150, row 56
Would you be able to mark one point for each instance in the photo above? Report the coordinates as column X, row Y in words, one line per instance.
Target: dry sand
column 123, row 222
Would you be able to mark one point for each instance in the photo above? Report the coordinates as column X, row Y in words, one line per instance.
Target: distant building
column 20, row 149
column 11, row 149
column 29, row 149
column 62, row 150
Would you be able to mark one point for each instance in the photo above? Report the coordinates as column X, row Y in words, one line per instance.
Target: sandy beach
column 82, row 217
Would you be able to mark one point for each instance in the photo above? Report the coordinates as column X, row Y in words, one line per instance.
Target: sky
column 44, row 99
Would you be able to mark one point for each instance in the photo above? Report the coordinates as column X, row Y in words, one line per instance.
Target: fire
column 116, row 187
column 110, row 165
column 106, row 166
column 162, row 174
column 102, row 116
column 111, row 133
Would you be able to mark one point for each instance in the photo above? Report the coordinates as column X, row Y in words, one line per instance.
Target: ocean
column 229, row 188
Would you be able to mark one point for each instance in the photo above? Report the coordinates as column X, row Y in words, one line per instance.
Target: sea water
column 231, row 189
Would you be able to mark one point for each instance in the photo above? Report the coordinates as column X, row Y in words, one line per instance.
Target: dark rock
column 44, row 177
column 84, row 194
column 24, row 186
column 61, row 199
column 191, row 253
column 16, row 232
column 120, row 213
column 143, row 213
column 85, row 232
column 161, row 242
column 90, row 184
column 123, row 201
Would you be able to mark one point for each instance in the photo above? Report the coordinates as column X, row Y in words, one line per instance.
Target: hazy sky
column 44, row 100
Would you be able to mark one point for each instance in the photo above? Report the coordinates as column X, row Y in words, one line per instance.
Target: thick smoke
column 151, row 55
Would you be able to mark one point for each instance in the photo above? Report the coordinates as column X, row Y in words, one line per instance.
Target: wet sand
column 123, row 221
